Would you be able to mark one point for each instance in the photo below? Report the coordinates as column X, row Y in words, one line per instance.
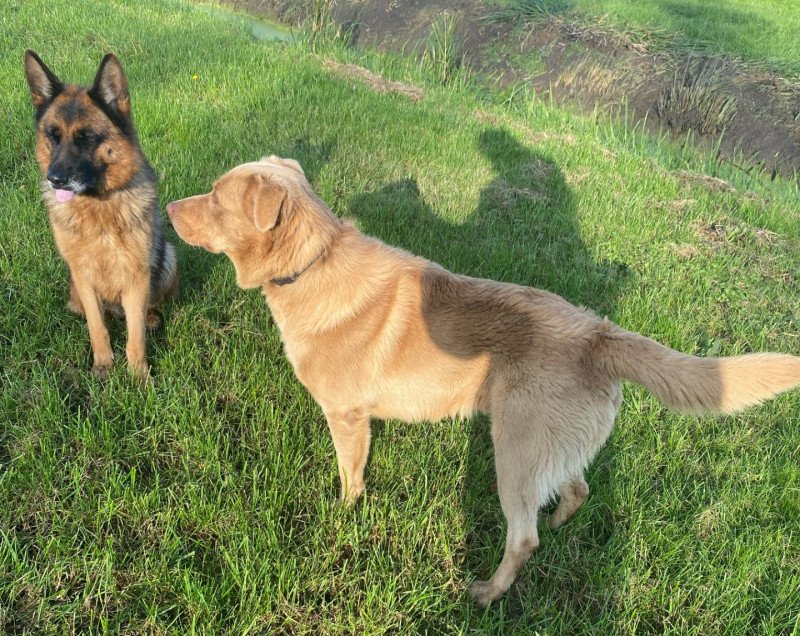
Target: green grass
column 763, row 32
column 206, row 503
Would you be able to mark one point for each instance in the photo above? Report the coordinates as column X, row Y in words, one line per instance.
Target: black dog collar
column 288, row 280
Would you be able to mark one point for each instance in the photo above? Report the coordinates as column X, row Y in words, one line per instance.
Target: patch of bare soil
column 752, row 117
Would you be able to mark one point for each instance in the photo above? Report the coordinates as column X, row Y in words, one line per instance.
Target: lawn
column 759, row 31
column 206, row 503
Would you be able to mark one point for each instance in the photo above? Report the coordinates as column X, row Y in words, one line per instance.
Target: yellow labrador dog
column 373, row 331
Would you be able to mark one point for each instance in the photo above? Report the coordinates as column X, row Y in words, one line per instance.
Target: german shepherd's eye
column 87, row 138
column 53, row 134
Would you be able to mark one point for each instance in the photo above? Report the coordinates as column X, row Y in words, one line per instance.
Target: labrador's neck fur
column 280, row 254
column 350, row 271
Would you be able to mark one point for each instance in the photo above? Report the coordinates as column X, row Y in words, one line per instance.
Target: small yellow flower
column 195, row 76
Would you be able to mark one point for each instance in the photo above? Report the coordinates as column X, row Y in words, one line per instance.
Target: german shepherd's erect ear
column 111, row 87
column 44, row 84
column 268, row 200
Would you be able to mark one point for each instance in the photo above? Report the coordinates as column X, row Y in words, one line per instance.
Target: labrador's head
column 249, row 216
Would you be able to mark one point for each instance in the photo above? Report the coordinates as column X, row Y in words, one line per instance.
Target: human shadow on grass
column 523, row 230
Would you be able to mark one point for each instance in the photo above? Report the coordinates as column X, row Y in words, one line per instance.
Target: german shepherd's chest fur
column 108, row 240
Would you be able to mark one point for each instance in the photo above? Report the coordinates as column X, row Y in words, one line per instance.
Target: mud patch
column 750, row 118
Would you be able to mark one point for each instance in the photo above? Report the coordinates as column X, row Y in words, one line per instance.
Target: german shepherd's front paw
column 141, row 371
column 101, row 371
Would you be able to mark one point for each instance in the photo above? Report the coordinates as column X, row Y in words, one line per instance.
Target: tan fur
column 373, row 331
column 106, row 244
column 108, row 241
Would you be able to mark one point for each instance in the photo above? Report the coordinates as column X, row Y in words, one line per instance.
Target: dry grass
column 507, row 196
column 680, row 205
column 730, row 231
column 605, row 80
column 373, row 80
column 714, row 184
column 684, row 251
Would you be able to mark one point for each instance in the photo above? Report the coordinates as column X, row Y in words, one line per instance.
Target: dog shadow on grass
column 523, row 230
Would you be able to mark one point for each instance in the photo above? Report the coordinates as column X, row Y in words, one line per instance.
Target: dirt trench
column 752, row 117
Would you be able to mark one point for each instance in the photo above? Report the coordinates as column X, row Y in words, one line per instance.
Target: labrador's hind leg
column 575, row 491
column 571, row 497
column 542, row 441
column 520, row 500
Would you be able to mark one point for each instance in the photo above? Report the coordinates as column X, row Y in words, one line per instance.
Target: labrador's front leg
column 350, row 430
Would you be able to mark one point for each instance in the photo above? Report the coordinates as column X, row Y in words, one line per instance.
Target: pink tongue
column 62, row 196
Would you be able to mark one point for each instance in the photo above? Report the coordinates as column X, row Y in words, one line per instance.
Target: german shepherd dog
column 101, row 195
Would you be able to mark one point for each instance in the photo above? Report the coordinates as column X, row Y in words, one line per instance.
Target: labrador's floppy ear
column 43, row 83
column 111, row 86
column 267, row 200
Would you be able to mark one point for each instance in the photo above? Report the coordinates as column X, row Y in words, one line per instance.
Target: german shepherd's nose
column 57, row 178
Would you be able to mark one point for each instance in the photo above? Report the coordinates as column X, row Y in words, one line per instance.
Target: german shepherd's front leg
column 74, row 302
column 98, row 334
column 134, row 302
